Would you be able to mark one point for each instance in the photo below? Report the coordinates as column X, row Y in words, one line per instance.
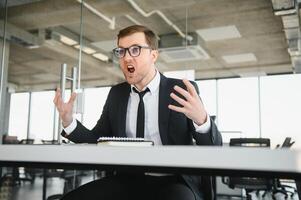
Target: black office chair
column 9, row 139
column 20, row 174
column 28, row 174
column 6, row 187
column 26, row 141
column 250, row 142
column 279, row 187
column 250, row 184
column 72, row 179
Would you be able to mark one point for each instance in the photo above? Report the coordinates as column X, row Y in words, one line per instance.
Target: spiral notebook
column 122, row 141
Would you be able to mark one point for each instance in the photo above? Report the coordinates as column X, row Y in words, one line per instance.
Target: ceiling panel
column 261, row 34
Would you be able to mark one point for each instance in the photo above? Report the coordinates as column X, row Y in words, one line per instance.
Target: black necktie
column 140, row 114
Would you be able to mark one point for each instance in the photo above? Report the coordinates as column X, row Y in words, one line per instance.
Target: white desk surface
column 192, row 157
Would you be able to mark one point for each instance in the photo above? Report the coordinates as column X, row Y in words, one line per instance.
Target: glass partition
column 42, row 35
column 237, row 52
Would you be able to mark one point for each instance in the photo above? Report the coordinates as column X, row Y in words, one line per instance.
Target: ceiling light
column 67, row 40
column 285, row 12
column 178, row 54
column 219, row 33
column 294, row 52
column 101, row 57
column 240, row 58
column 181, row 74
column 87, row 50
column 283, row 7
column 252, row 74
column 107, row 45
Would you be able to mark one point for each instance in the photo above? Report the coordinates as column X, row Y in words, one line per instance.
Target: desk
column 257, row 162
column 181, row 159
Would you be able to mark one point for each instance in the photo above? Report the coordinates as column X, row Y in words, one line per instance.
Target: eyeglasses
column 134, row 51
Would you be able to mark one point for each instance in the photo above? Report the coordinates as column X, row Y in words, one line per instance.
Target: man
column 173, row 115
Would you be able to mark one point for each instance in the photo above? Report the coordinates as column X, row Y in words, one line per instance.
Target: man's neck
column 141, row 86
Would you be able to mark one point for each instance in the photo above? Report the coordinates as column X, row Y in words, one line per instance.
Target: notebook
column 122, row 141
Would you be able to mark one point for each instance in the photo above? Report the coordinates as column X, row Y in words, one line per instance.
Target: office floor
column 255, row 197
column 33, row 191
column 28, row 191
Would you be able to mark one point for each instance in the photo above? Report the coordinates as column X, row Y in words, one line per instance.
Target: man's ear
column 154, row 54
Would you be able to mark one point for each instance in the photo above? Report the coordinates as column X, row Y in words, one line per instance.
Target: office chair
column 28, row 174
column 26, row 141
column 250, row 142
column 278, row 186
column 72, row 179
column 8, row 139
column 6, row 187
column 250, row 184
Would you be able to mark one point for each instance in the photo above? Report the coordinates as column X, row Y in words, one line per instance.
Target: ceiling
column 239, row 38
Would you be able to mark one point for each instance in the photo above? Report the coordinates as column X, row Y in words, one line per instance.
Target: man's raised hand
column 65, row 109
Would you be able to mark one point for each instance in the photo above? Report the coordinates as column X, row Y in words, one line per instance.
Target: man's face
column 141, row 69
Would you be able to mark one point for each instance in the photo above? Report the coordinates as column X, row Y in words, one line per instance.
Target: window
column 95, row 99
column 18, row 117
column 281, row 108
column 234, row 101
column 238, row 113
column 42, row 115
column 207, row 92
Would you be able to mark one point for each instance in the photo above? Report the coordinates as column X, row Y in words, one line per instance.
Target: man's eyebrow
column 132, row 45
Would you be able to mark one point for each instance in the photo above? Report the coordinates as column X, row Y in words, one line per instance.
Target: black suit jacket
column 175, row 128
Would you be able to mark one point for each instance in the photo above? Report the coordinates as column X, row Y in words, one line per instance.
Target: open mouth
column 131, row 69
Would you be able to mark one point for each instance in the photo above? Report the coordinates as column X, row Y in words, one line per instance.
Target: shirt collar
column 153, row 85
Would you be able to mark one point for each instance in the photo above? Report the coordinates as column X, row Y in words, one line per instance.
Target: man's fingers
column 58, row 95
column 58, row 101
column 178, row 99
column 55, row 99
column 190, row 87
column 183, row 92
column 176, row 108
column 72, row 98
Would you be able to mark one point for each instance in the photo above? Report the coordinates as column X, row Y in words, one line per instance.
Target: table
column 201, row 160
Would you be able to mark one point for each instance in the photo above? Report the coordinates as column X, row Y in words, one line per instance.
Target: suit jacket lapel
column 164, row 101
column 124, row 96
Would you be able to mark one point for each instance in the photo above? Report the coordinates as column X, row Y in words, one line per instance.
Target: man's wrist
column 67, row 123
column 71, row 127
column 203, row 128
column 202, row 121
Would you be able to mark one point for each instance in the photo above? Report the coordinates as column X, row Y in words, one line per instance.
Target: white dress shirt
column 151, row 101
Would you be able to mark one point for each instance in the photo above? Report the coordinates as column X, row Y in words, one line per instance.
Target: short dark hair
column 150, row 36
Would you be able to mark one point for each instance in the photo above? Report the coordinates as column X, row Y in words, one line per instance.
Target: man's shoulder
column 119, row 91
column 120, row 88
column 122, row 85
column 169, row 80
column 176, row 81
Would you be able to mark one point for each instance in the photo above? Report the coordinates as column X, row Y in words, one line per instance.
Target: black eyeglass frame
column 128, row 50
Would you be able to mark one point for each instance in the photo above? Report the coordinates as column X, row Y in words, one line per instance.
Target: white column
column 4, row 95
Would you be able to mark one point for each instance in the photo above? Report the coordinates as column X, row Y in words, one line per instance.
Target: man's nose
column 127, row 55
